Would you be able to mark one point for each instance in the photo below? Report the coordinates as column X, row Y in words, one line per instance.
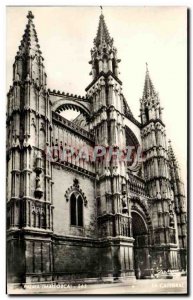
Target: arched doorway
column 141, row 249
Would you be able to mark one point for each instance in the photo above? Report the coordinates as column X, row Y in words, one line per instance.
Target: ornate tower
column 107, row 125
column 28, row 172
column 157, row 176
column 180, row 205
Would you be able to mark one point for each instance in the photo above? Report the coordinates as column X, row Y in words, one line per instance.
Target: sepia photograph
column 96, row 150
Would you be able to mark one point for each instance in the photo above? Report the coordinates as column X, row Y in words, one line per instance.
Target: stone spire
column 176, row 179
column 103, row 36
column 150, row 104
column 28, row 63
column 149, row 90
column 171, row 154
column 104, row 55
column 174, row 162
column 29, row 43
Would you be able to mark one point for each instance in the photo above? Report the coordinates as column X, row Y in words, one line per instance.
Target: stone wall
column 38, row 260
column 15, row 259
column 63, row 180
column 75, row 258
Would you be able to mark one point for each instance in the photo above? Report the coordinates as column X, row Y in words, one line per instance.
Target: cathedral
column 77, row 207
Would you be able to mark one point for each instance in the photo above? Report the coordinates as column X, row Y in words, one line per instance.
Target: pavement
column 142, row 286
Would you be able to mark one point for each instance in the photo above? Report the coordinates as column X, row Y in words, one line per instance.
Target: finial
column 30, row 15
column 147, row 70
column 101, row 10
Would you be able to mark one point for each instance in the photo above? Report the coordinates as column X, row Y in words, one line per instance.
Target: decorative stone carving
column 73, row 188
column 33, row 123
column 38, row 191
column 42, row 126
column 38, row 168
column 171, row 220
column 124, row 204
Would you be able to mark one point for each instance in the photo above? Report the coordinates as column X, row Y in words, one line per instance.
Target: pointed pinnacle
column 29, row 42
column 102, row 32
column 148, row 85
column 171, row 151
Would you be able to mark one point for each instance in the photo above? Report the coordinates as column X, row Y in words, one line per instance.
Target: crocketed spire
column 104, row 58
column 171, row 154
column 149, row 90
column 170, row 151
column 102, row 33
column 173, row 159
column 28, row 63
column 29, row 43
column 176, row 178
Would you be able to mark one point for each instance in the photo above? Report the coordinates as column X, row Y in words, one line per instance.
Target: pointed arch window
column 76, row 209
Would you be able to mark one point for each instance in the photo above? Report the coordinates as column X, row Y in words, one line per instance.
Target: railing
column 70, row 125
column 137, row 185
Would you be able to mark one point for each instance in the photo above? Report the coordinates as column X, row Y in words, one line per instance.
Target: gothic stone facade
column 76, row 218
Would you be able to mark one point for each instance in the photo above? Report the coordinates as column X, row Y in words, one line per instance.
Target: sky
column 156, row 35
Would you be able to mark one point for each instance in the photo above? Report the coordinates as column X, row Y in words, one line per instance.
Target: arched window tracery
column 76, row 209
column 77, row 201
